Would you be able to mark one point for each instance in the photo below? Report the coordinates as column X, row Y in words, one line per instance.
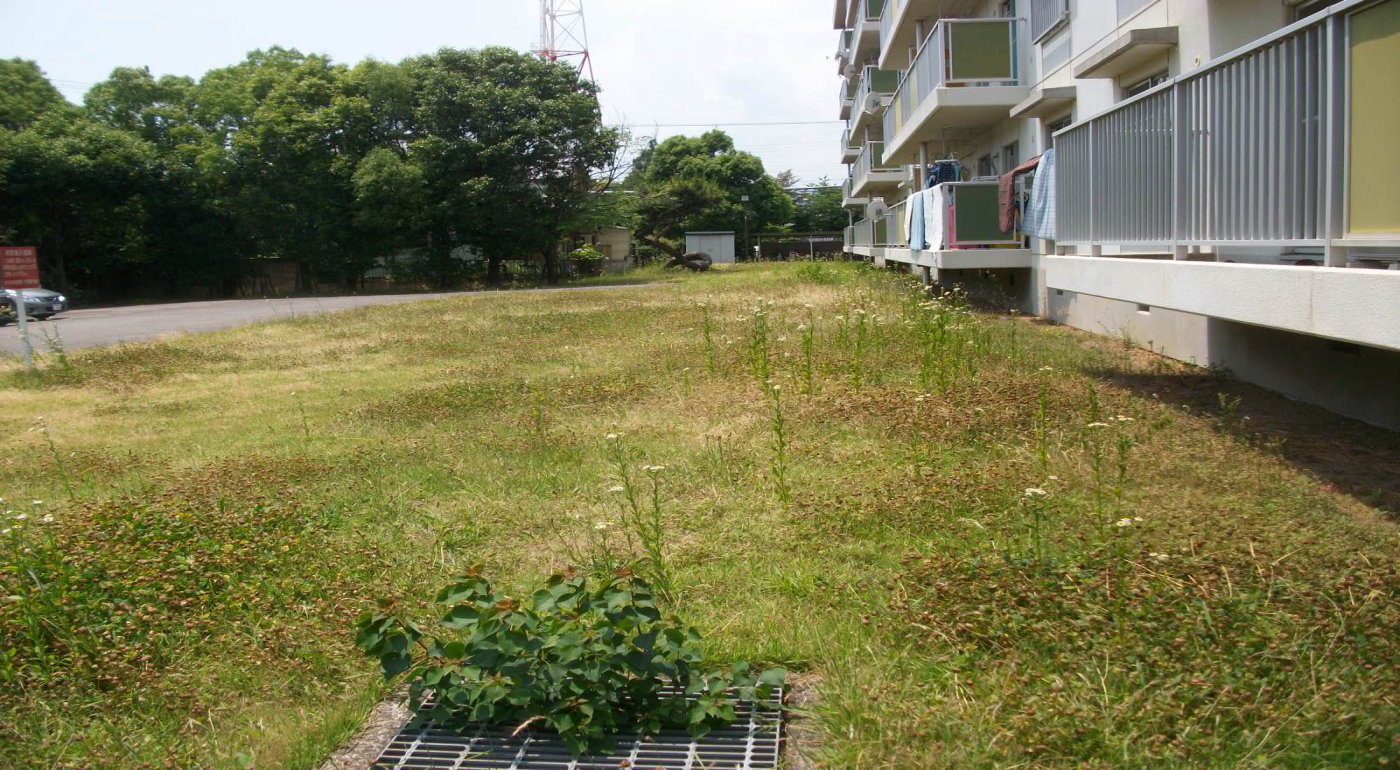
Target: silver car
column 38, row 304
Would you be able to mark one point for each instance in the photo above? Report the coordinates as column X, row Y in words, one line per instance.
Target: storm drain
column 751, row 743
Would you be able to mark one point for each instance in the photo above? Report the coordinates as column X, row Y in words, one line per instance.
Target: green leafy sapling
column 588, row 656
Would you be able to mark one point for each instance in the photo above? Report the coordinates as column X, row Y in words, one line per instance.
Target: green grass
column 238, row 498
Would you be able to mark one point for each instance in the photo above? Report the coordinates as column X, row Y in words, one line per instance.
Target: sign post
column 19, row 270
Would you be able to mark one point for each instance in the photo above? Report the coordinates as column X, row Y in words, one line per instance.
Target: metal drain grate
column 751, row 743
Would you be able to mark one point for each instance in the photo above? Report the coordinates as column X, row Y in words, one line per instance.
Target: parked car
column 38, row 304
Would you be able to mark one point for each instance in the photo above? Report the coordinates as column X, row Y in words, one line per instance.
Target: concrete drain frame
column 752, row 742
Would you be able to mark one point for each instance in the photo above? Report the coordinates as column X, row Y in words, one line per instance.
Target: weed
column 779, row 466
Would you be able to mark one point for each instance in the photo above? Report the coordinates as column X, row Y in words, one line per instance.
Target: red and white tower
column 563, row 34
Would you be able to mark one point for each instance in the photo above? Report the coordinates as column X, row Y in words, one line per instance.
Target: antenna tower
column 563, row 34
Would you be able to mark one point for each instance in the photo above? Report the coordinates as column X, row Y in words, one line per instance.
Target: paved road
column 108, row 326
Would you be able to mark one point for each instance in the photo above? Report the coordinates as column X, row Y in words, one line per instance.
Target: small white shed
column 718, row 244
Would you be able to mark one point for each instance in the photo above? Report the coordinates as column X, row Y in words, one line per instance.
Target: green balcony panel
column 980, row 51
column 884, row 81
column 975, row 214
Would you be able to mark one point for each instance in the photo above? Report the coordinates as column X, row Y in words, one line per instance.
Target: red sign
column 19, row 267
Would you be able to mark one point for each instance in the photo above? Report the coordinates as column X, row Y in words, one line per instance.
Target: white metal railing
column 848, row 237
column 864, row 233
column 848, row 188
column 887, row 15
column 894, row 225
column 846, row 144
column 1250, row 149
column 941, row 63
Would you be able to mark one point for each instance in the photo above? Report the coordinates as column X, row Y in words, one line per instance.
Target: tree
column 506, row 143
column 25, row 94
column 786, row 179
column 77, row 189
column 819, row 209
column 698, row 183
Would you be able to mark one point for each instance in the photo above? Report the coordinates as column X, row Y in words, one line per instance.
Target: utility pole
column 748, row 255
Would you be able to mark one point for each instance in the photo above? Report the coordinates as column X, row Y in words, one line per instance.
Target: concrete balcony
column 965, row 76
column 865, row 33
column 881, row 83
column 847, row 97
column 849, row 199
column 843, row 44
column 850, row 148
column 872, row 175
column 898, row 30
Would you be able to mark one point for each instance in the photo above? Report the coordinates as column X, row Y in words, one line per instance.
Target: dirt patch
column 803, row 739
column 383, row 724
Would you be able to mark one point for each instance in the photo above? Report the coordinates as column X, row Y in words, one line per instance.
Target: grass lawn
column 989, row 542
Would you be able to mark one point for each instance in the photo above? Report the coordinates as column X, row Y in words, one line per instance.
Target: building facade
column 1222, row 184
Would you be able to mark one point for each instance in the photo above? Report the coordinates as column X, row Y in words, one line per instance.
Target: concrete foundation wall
column 1358, row 381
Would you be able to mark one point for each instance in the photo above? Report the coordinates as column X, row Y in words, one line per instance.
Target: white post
column 22, row 321
column 923, row 166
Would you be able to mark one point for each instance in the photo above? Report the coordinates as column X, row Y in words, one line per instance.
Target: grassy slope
column 237, row 498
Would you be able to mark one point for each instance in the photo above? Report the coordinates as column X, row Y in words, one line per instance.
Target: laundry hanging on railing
column 1006, row 194
column 914, row 221
column 1039, row 221
column 935, row 214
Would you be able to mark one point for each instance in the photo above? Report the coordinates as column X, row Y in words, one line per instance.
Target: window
column 1010, row 156
column 1047, row 15
column 986, row 165
column 1145, row 84
column 1007, row 10
column 1055, row 125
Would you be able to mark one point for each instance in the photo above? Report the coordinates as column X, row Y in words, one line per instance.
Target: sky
column 659, row 62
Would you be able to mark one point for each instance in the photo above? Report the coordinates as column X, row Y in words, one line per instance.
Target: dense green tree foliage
column 698, row 183
column 171, row 186
column 819, row 209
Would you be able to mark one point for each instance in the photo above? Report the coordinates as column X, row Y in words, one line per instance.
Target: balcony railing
column 971, row 219
column 848, row 189
column 1273, row 145
column 958, row 52
column 874, row 80
column 848, row 237
column 848, row 143
column 887, row 14
column 871, row 159
column 872, row 10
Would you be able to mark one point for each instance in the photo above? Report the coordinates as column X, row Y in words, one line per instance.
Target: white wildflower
column 47, row 519
column 1097, row 425
column 1124, row 523
column 1035, row 492
column 1047, row 368
column 21, row 517
column 37, row 502
column 807, row 305
column 611, row 437
column 602, row 525
column 653, row 468
column 617, row 489
column 6, row 531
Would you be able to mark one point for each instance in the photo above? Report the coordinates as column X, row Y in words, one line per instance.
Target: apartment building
column 1215, row 178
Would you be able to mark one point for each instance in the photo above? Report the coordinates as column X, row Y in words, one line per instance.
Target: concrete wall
column 1358, row 381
